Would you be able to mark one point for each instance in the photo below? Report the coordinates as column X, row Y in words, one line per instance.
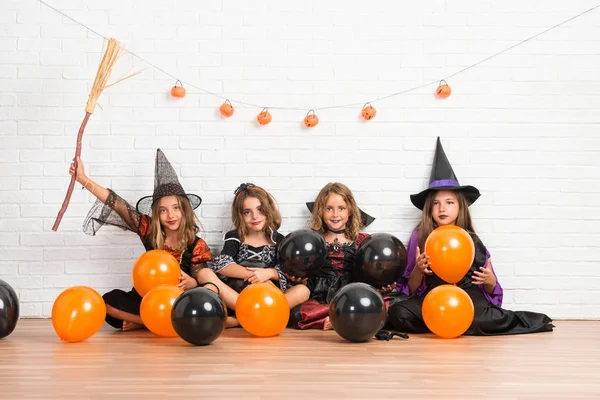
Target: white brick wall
column 523, row 127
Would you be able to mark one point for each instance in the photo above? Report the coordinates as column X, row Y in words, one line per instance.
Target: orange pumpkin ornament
column 443, row 90
column 368, row 111
column 311, row 120
column 264, row 117
column 226, row 109
column 178, row 91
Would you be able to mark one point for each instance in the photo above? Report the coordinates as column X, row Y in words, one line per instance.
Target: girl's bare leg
column 297, row 295
column 229, row 296
column 131, row 322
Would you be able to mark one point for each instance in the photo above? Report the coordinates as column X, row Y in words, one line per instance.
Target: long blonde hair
column 428, row 224
column 188, row 228
column 354, row 224
column 268, row 208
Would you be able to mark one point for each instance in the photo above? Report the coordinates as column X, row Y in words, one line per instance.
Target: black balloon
column 380, row 260
column 357, row 312
column 199, row 316
column 302, row 253
column 9, row 309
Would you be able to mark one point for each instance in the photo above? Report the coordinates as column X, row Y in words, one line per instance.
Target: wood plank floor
column 564, row 364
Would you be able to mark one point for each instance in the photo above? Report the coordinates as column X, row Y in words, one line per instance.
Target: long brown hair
column 268, row 208
column 188, row 228
column 428, row 224
column 354, row 224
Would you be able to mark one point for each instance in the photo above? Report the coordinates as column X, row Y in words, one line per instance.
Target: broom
column 113, row 51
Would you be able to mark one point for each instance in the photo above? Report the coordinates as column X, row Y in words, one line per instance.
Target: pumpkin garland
column 311, row 120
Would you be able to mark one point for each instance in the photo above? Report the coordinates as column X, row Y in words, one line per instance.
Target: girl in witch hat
column 249, row 254
column 446, row 202
column 337, row 217
column 165, row 221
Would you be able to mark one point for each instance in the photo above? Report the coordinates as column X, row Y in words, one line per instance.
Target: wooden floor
column 564, row 364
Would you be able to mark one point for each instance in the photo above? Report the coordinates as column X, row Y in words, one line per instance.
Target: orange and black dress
column 117, row 212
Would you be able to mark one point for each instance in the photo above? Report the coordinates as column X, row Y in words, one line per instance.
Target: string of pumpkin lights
column 368, row 112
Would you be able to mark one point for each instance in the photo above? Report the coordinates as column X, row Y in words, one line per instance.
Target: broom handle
column 65, row 203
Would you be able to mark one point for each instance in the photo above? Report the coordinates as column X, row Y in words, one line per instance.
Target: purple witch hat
column 443, row 178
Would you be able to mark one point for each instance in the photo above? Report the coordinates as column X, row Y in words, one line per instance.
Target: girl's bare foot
column 130, row 326
column 232, row 322
column 327, row 324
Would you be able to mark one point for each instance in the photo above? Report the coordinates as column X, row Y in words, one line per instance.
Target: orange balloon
column 262, row 309
column 78, row 313
column 153, row 268
column 448, row 311
column 156, row 307
column 451, row 252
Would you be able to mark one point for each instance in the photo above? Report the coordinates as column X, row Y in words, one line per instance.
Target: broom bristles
column 114, row 50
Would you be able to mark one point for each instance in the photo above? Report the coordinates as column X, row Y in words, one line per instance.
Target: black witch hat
column 366, row 218
column 166, row 183
column 443, row 178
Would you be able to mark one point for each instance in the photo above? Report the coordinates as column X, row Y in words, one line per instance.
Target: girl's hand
column 261, row 274
column 422, row 260
column 295, row 280
column 186, row 282
column 387, row 289
column 80, row 170
column 485, row 276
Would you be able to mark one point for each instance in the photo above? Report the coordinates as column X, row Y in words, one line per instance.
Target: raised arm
column 100, row 192
column 109, row 209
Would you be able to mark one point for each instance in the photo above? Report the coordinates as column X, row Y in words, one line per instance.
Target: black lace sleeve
column 115, row 211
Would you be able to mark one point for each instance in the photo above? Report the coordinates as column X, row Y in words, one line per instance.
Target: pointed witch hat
column 443, row 178
column 166, row 183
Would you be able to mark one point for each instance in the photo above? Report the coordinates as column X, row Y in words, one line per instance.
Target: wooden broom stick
column 113, row 51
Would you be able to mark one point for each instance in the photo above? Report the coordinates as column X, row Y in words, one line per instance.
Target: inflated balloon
column 199, row 316
column 153, row 268
column 357, row 312
column 262, row 310
column 9, row 309
column 448, row 311
column 302, row 252
column 451, row 252
column 78, row 313
column 380, row 260
column 156, row 307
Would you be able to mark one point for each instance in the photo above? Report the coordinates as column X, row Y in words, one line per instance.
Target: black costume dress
column 236, row 252
column 490, row 319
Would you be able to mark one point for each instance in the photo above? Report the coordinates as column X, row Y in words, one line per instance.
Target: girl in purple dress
column 445, row 202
